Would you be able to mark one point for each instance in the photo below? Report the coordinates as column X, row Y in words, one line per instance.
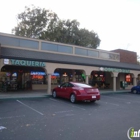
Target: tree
column 88, row 38
column 44, row 24
column 33, row 21
column 64, row 31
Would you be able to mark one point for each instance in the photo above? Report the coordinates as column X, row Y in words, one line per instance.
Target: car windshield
column 82, row 85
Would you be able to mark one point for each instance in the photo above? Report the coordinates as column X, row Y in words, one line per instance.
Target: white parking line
column 65, row 111
column 30, row 107
column 78, row 107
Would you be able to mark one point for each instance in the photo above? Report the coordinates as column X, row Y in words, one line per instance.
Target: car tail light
column 91, row 90
column 81, row 90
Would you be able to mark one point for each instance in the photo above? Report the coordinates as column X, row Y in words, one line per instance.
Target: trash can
column 125, row 84
column 122, row 84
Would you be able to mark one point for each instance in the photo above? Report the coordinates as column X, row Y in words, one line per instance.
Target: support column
column 87, row 79
column 114, row 83
column 134, row 81
column 73, row 76
column 114, row 75
column 49, row 84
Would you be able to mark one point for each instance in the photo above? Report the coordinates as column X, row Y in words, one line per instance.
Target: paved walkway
column 43, row 93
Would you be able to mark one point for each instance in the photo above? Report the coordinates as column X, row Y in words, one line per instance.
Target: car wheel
column 54, row 94
column 134, row 91
column 73, row 98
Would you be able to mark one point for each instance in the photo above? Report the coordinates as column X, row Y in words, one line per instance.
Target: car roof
column 77, row 83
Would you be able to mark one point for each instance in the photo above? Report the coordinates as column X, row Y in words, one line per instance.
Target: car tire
column 73, row 98
column 54, row 94
column 134, row 91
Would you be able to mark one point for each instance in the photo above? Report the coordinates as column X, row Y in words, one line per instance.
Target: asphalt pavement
column 43, row 93
column 58, row 119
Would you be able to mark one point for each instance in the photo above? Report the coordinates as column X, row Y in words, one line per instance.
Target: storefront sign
column 6, row 61
column 37, row 73
column 114, row 70
column 27, row 63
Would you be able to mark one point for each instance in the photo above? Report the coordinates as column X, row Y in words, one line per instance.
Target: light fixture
column 65, row 74
column 96, row 75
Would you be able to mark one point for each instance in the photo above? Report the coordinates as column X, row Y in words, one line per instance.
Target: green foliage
column 33, row 21
column 64, row 31
column 44, row 24
column 88, row 39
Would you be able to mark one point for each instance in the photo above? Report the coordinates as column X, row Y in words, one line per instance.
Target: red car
column 76, row 92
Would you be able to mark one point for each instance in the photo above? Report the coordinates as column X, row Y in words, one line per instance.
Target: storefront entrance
column 61, row 75
column 101, row 80
column 22, row 77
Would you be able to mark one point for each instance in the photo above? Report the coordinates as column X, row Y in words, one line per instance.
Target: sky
column 117, row 22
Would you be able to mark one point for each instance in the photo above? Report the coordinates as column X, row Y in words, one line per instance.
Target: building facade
column 38, row 64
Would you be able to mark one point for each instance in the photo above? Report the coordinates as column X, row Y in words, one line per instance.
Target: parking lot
column 58, row 119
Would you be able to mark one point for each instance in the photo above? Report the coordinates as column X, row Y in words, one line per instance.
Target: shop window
column 55, row 78
column 8, row 74
column 49, row 47
column 81, row 51
column 9, row 41
column 98, row 79
column 29, row 44
column 93, row 53
column 38, row 77
column 104, row 55
column 65, row 49
column 14, row 76
column 128, row 78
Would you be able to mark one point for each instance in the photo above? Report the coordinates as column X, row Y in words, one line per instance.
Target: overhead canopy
column 61, row 58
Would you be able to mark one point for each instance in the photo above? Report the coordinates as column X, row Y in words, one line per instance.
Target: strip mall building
column 46, row 64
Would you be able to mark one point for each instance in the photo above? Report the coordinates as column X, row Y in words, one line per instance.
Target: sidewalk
column 23, row 94
column 43, row 94
column 113, row 92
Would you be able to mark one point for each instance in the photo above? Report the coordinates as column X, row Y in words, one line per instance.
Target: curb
column 24, row 97
column 33, row 96
column 115, row 92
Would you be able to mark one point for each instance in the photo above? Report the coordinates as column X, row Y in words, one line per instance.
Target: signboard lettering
column 114, row 70
column 27, row 63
